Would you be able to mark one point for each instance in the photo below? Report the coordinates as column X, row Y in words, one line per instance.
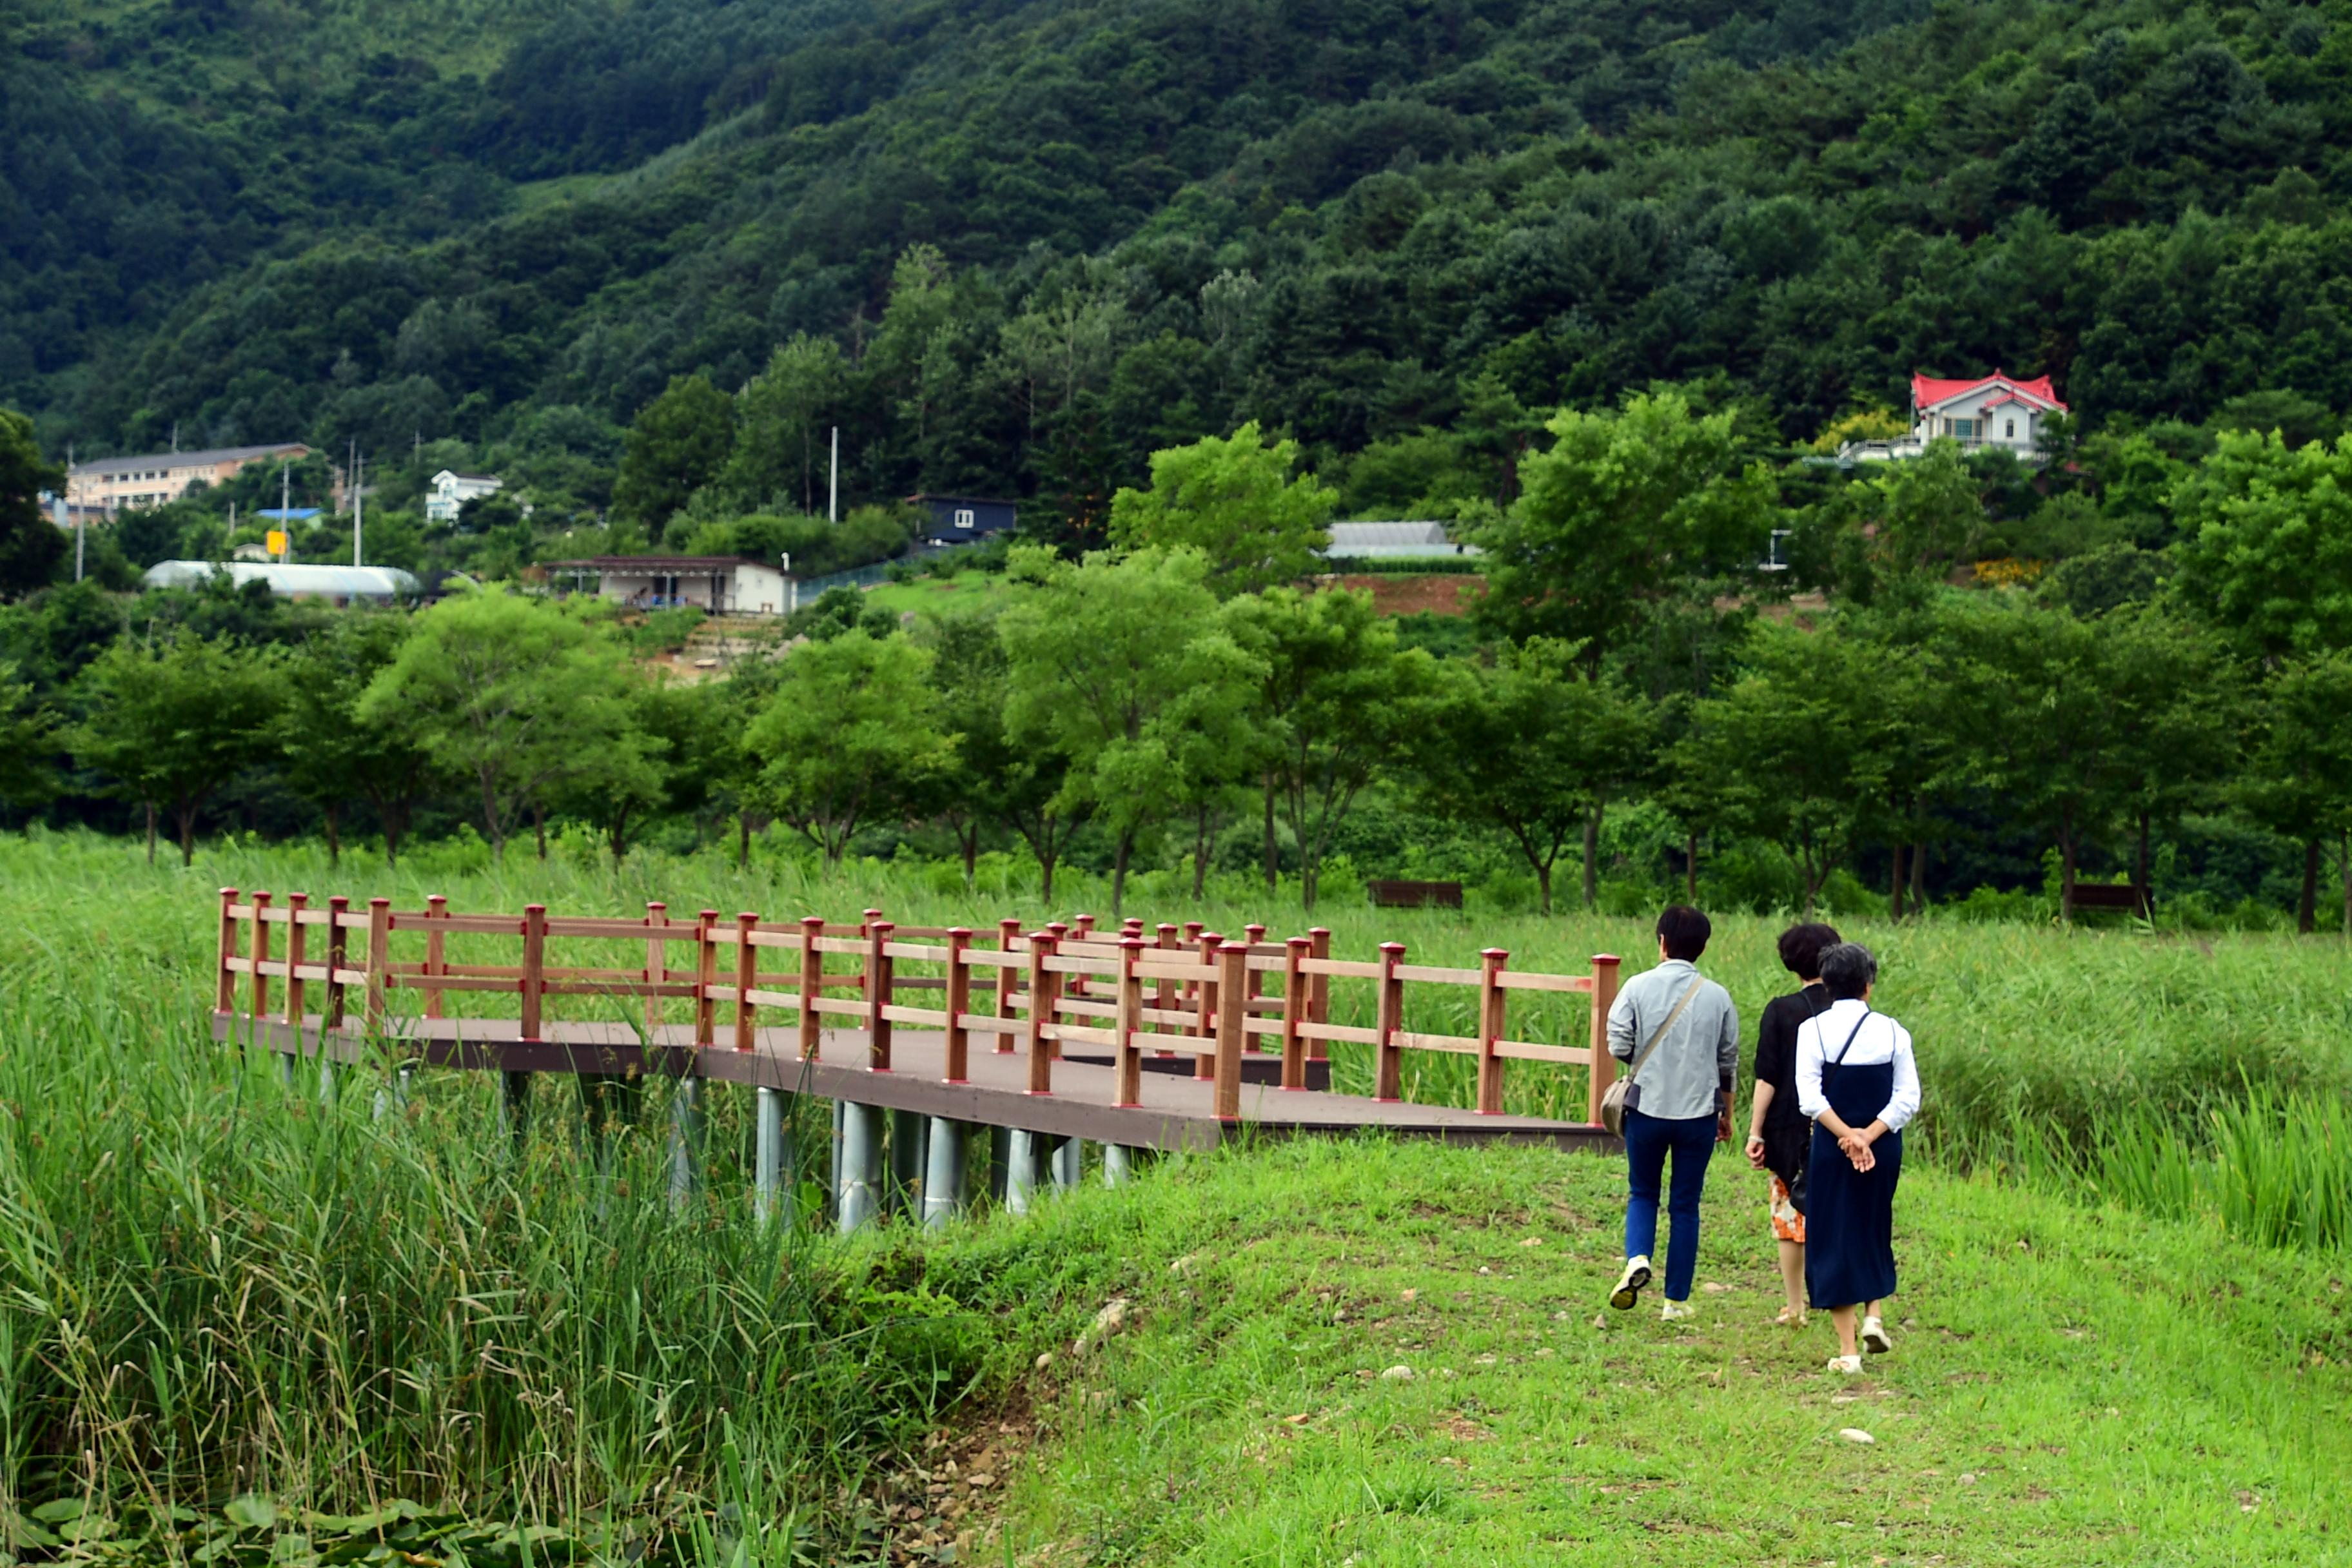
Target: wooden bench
column 2110, row 896
column 1402, row 895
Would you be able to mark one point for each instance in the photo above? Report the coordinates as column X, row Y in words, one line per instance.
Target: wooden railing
column 1180, row 990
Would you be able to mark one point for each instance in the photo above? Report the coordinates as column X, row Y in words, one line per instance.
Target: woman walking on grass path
column 1778, row 1133
column 1681, row 1035
column 1858, row 1082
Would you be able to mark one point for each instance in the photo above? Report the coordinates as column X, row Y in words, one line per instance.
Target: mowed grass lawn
column 2066, row 1387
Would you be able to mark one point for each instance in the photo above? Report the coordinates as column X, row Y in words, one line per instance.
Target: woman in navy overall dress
column 1857, row 1080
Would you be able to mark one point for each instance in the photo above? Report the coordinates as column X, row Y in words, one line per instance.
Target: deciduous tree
column 851, row 733
column 171, row 722
column 1111, row 662
column 511, row 694
column 1628, row 511
column 1234, row 501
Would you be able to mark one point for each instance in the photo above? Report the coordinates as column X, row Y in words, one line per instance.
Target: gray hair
column 1847, row 970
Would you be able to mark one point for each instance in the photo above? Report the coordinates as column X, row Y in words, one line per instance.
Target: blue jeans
column 1647, row 1140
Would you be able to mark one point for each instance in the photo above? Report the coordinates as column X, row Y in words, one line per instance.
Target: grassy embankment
column 210, row 1288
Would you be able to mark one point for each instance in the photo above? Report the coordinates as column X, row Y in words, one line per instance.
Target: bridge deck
column 1177, row 1112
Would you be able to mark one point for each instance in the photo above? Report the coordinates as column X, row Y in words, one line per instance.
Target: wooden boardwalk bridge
column 1179, row 1039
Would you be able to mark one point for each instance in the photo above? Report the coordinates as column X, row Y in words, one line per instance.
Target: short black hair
column 1684, row 931
column 1802, row 947
column 1847, row 970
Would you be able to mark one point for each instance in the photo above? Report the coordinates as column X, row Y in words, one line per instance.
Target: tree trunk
column 742, row 840
column 1119, row 872
column 1919, row 876
column 1273, row 860
column 1690, row 871
column 1894, row 885
column 2139, row 860
column 151, row 833
column 970, row 839
column 335, row 840
column 1201, row 853
column 539, row 826
column 2306, row 908
column 490, row 823
column 393, row 824
column 186, row 815
column 1543, row 885
column 1044, row 876
column 1592, row 860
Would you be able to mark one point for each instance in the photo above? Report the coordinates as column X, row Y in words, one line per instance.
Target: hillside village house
column 1986, row 412
column 450, row 489
column 958, row 520
column 722, row 584
column 112, row 485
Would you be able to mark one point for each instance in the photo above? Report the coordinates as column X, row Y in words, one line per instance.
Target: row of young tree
column 1121, row 693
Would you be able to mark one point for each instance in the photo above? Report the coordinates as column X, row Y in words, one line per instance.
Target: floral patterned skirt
column 1788, row 1224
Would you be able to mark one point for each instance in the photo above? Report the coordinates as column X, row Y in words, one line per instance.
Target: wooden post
column 533, row 984
column 225, row 982
column 1253, row 985
column 437, row 959
column 1389, row 1074
column 1057, row 930
column 332, row 1016
column 1204, row 1006
column 257, row 994
column 1296, row 997
column 1008, row 935
column 295, row 944
column 1490, row 1029
column 379, row 965
column 706, row 976
column 1044, row 991
column 1232, row 1026
column 1165, row 998
column 657, row 969
column 1077, row 983
column 878, row 994
column 959, row 1044
column 1128, row 1090
column 1604, row 1065
column 747, row 975
column 812, row 982
column 1319, row 990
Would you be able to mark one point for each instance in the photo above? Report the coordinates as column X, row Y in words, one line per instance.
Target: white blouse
column 1880, row 1039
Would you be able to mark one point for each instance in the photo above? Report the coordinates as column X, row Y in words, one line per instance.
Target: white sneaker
column 1630, row 1283
column 1845, row 1365
column 1675, row 1311
column 1873, row 1337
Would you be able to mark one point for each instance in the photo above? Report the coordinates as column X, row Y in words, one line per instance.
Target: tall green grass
column 212, row 1283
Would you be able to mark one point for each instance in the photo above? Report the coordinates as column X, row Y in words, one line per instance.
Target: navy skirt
column 1850, row 1214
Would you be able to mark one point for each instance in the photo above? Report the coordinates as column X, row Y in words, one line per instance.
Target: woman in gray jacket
column 1680, row 1034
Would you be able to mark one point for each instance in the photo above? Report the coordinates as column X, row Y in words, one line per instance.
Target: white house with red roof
column 1994, row 411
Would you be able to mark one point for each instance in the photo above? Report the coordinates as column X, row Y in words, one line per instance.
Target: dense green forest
column 1385, row 228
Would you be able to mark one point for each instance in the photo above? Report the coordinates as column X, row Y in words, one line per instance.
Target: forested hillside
column 1361, row 221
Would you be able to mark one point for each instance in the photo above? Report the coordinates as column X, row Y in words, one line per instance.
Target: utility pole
column 359, row 502
column 80, row 513
column 285, row 496
column 833, row 480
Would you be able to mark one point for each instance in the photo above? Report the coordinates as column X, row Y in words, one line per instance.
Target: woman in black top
column 1777, row 1132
